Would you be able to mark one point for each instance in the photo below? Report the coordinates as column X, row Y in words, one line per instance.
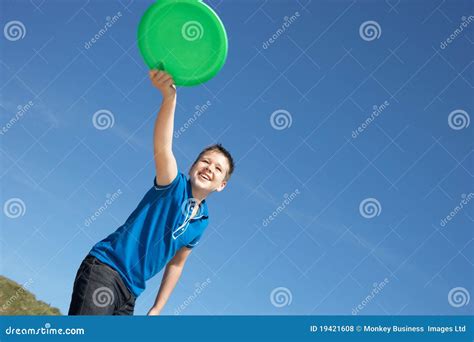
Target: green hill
column 17, row 300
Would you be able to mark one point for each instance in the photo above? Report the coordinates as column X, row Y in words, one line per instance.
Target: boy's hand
column 153, row 312
column 164, row 82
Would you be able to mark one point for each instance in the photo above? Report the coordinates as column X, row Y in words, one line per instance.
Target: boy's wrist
column 154, row 311
column 169, row 97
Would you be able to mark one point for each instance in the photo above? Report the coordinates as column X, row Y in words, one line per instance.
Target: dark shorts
column 100, row 290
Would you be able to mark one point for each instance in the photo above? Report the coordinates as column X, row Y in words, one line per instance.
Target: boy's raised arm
column 165, row 162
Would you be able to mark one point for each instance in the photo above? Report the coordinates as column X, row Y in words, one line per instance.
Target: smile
column 205, row 177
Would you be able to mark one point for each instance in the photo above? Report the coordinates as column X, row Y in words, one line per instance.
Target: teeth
column 205, row 177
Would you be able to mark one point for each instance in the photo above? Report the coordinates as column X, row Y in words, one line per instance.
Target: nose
column 210, row 167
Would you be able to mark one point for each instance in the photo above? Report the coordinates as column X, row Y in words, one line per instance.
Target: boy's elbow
column 180, row 258
column 176, row 264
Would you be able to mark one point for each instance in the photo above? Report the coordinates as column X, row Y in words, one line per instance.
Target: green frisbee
column 185, row 38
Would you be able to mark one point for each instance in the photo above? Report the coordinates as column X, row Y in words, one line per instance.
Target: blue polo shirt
column 153, row 233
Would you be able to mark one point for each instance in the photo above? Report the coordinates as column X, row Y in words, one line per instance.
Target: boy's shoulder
column 180, row 179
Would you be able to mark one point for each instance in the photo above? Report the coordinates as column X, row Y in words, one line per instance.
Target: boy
column 167, row 223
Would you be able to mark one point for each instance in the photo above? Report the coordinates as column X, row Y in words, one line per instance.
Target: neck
column 198, row 194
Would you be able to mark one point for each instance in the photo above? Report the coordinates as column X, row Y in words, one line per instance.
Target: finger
column 156, row 76
column 169, row 82
column 159, row 76
column 165, row 78
column 155, row 80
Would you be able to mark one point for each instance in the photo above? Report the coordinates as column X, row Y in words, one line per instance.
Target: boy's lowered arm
column 172, row 273
column 165, row 162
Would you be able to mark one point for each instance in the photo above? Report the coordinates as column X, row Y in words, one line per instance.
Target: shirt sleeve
column 194, row 243
column 168, row 188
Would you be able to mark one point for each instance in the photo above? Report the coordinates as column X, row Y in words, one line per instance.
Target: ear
column 221, row 187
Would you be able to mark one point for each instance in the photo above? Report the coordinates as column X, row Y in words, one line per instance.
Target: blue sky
column 319, row 254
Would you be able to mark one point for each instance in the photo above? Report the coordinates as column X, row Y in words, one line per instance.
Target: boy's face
column 209, row 172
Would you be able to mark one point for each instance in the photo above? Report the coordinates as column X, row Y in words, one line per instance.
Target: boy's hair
column 221, row 149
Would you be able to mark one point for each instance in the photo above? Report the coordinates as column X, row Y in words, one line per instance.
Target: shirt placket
column 184, row 226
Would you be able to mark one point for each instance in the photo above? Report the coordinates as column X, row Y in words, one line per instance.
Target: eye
column 219, row 169
column 205, row 161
